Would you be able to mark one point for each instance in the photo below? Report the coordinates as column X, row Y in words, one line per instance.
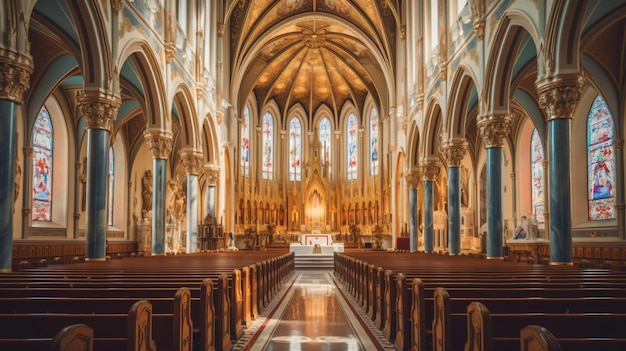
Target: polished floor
column 313, row 313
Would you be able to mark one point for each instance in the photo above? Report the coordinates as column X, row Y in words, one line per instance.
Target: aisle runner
column 310, row 313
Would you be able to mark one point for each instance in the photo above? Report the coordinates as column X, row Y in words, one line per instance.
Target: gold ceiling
column 313, row 53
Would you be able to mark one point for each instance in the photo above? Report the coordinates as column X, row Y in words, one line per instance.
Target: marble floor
column 312, row 312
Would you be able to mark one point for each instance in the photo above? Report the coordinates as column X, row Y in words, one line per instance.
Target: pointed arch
column 462, row 98
column 508, row 38
column 183, row 105
column 431, row 139
column 561, row 48
column 413, row 142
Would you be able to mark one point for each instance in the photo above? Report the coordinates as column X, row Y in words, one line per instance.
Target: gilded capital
column 454, row 151
column 413, row 178
column 493, row 129
column 191, row 160
column 212, row 174
column 159, row 142
column 15, row 71
column 430, row 169
column 117, row 5
column 558, row 96
column 100, row 109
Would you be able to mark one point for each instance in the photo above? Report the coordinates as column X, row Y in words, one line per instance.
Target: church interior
column 489, row 130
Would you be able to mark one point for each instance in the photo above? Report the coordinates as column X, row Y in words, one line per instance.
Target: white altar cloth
column 308, row 249
column 312, row 239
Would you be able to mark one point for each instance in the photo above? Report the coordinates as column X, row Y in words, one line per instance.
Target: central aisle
column 312, row 314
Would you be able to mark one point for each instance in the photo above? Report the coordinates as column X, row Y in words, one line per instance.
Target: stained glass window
column 374, row 164
column 295, row 149
column 268, row 149
column 42, row 167
column 325, row 140
column 600, row 161
column 111, row 185
column 536, row 169
column 245, row 142
column 351, row 146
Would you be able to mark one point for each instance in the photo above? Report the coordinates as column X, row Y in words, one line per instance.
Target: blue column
column 192, row 213
column 96, row 193
column 494, row 202
column 8, row 149
column 428, row 216
column 454, row 210
column 158, row 205
column 559, row 134
column 413, row 219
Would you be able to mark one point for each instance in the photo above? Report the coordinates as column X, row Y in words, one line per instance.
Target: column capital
column 117, row 5
column 559, row 95
column 454, row 151
column 494, row 128
column 618, row 144
column 191, row 160
column 413, row 178
column 15, row 71
column 99, row 108
column 430, row 169
column 159, row 142
column 212, row 174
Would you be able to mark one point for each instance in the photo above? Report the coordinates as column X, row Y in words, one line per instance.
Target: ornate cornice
column 100, row 109
column 493, row 129
column 413, row 178
column 454, row 152
column 191, row 161
column 558, row 96
column 159, row 143
column 430, row 169
column 212, row 174
column 170, row 51
column 15, row 71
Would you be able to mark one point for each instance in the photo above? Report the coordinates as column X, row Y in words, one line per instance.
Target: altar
column 524, row 249
column 316, row 238
column 300, row 249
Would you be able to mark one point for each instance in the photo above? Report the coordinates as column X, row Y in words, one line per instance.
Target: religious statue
column 464, row 187
column 18, row 181
column 146, row 191
column 83, row 180
column 176, row 203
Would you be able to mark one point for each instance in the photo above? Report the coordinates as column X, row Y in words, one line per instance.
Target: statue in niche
column 83, row 180
column 176, row 204
column 464, row 187
column 146, row 191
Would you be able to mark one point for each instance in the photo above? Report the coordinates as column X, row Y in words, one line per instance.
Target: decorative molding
column 117, row 5
column 493, row 129
column 430, row 169
column 191, row 161
column 618, row 144
column 15, row 71
column 159, row 143
column 220, row 29
column 170, row 51
column 99, row 108
column 212, row 174
column 454, row 152
column 558, row 96
column 413, row 178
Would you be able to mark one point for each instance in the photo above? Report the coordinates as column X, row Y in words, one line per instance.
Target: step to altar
column 314, row 261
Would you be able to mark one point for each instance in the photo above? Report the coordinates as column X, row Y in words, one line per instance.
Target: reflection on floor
column 312, row 313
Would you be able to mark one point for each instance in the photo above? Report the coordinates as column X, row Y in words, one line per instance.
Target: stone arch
column 501, row 62
column 430, row 138
column 413, row 142
column 183, row 103
column 209, row 142
column 145, row 64
column 463, row 90
column 561, row 44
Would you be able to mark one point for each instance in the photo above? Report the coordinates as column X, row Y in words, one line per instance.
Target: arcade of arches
column 430, row 124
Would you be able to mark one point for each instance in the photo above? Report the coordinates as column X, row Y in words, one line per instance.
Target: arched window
column 351, row 147
column 600, row 161
column 536, row 167
column 295, row 149
column 325, row 140
column 111, row 185
column 374, row 163
column 245, row 142
column 42, row 167
column 268, row 149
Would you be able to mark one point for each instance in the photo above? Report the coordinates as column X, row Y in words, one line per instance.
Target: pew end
column 76, row 337
column 537, row 338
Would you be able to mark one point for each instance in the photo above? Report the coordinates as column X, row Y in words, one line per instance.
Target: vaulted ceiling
column 313, row 53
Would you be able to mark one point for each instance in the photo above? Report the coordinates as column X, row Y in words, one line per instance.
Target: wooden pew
column 131, row 331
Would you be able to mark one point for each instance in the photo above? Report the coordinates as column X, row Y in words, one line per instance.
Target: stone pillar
column 558, row 97
column 430, row 171
column 412, row 179
column 493, row 130
column 454, row 151
column 192, row 162
column 15, row 71
column 546, row 198
column 160, row 144
column 212, row 177
column 100, row 111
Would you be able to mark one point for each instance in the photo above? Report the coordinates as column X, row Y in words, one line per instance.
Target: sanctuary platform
column 315, row 251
